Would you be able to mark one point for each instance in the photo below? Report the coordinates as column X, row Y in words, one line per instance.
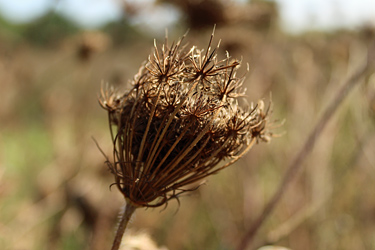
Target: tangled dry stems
column 178, row 122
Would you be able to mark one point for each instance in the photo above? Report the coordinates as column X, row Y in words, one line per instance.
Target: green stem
column 129, row 210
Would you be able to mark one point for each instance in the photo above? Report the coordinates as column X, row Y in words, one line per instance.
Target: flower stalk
column 128, row 212
column 179, row 123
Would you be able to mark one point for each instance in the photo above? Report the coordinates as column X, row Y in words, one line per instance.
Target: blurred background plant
column 54, row 186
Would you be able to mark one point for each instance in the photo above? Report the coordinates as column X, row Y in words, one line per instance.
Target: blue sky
column 296, row 15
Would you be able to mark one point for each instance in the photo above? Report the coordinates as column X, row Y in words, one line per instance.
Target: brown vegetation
column 54, row 186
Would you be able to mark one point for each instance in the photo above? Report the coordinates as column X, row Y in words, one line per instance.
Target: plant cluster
column 180, row 119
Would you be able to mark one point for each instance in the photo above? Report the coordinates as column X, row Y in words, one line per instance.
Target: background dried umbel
column 178, row 122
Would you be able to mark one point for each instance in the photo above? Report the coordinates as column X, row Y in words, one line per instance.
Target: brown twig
column 296, row 164
column 129, row 210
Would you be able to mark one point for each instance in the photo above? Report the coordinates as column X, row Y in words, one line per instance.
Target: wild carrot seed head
column 180, row 120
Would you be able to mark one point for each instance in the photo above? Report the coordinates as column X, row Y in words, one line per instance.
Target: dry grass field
column 54, row 185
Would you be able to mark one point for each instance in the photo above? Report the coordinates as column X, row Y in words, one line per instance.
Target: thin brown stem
column 129, row 210
column 296, row 164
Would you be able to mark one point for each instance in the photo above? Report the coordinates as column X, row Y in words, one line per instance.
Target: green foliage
column 73, row 241
column 8, row 31
column 49, row 30
column 122, row 32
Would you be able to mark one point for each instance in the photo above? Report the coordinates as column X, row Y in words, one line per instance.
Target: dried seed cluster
column 178, row 122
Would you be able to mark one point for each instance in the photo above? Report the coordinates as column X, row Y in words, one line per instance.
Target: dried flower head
column 178, row 122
